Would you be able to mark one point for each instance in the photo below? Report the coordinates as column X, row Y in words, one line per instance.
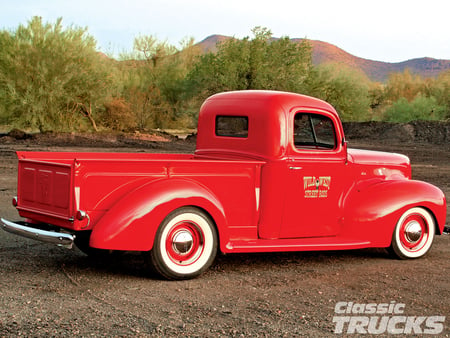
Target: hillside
column 324, row 52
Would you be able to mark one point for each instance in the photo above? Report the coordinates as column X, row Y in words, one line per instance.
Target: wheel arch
column 438, row 230
column 131, row 224
column 372, row 212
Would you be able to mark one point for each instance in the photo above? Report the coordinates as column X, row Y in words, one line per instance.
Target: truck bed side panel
column 236, row 185
column 231, row 186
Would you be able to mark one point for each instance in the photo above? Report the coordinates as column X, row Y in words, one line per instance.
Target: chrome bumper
column 58, row 238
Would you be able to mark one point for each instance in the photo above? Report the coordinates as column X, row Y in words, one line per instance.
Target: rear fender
column 371, row 212
column 131, row 224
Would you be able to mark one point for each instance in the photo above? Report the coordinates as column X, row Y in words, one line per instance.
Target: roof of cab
column 287, row 100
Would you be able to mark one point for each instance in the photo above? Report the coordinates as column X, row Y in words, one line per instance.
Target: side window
column 232, row 126
column 313, row 131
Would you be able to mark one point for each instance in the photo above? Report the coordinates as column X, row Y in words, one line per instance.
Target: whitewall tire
column 413, row 235
column 185, row 244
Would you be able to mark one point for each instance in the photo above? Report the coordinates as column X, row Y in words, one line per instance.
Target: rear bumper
column 446, row 230
column 58, row 238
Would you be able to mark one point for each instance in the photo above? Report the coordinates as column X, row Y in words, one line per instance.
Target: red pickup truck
column 271, row 172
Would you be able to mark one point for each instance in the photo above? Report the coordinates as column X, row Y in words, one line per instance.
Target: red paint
column 266, row 190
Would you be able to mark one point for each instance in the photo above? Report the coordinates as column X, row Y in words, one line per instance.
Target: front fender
column 372, row 211
column 132, row 222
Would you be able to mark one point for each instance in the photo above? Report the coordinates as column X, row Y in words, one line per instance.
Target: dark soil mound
column 434, row 132
column 152, row 140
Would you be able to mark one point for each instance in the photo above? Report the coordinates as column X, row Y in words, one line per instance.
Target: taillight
column 15, row 202
column 81, row 215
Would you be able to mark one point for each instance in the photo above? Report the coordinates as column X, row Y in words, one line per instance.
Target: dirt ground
column 51, row 291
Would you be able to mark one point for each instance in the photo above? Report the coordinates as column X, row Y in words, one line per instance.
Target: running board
column 298, row 244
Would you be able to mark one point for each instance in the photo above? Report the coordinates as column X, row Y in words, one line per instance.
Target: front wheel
column 413, row 235
column 185, row 244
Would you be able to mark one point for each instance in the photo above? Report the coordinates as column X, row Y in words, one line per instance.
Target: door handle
column 295, row 168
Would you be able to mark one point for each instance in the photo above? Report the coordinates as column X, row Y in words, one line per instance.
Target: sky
column 382, row 30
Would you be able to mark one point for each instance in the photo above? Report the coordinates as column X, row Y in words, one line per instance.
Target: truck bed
column 53, row 186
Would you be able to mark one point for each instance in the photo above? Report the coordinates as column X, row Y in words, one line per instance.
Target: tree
column 51, row 76
column 149, row 48
column 155, row 81
column 258, row 63
column 346, row 89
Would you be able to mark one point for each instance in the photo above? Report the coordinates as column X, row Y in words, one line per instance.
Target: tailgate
column 45, row 188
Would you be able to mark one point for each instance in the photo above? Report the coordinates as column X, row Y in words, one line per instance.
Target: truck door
column 316, row 170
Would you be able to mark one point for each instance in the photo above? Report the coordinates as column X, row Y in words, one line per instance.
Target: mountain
column 323, row 52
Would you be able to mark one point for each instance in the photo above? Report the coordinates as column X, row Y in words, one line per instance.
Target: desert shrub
column 421, row 108
column 403, row 85
column 118, row 115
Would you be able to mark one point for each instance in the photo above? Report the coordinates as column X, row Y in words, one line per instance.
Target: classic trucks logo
column 316, row 187
column 382, row 318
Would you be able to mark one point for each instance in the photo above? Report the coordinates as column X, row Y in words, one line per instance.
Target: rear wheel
column 413, row 234
column 185, row 244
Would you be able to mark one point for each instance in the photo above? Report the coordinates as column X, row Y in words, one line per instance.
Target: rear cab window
column 232, row 126
column 314, row 131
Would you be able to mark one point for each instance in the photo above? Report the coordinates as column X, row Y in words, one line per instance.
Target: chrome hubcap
column 413, row 231
column 182, row 242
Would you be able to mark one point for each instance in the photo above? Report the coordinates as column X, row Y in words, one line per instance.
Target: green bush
column 421, row 108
